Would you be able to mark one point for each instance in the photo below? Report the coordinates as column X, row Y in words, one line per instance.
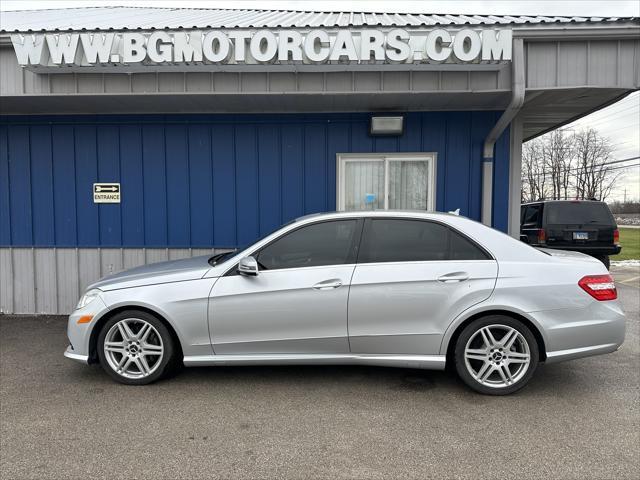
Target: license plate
column 580, row 235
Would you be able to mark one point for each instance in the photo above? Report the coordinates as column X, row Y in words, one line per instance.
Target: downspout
column 517, row 100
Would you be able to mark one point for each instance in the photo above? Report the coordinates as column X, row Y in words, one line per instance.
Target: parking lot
column 60, row 419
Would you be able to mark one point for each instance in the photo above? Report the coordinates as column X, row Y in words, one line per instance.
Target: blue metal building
column 216, row 138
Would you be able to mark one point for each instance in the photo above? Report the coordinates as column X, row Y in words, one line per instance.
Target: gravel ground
column 60, row 419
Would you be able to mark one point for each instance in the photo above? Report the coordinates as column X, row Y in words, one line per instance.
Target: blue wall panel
column 5, row 199
column 213, row 180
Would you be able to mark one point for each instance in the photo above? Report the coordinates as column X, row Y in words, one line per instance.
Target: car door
column 413, row 277
column 297, row 303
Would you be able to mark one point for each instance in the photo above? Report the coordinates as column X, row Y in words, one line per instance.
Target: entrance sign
column 106, row 193
column 259, row 47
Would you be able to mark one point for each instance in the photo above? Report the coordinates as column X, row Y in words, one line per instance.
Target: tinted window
column 578, row 212
column 327, row 243
column 389, row 240
column 531, row 215
column 464, row 249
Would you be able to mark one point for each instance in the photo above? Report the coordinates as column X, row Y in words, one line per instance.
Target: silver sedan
column 400, row 289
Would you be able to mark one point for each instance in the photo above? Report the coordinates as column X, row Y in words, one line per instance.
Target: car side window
column 395, row 240
column 325, row 243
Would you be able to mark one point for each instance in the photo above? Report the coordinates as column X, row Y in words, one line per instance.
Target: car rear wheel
column 496, row 355
column 135, row 348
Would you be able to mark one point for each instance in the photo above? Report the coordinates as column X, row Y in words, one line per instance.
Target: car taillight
column 542, row 235
column 600, row 287
column 616, row 236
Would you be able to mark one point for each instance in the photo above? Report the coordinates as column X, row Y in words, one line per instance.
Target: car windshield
column 223, row 257
column 578, row 212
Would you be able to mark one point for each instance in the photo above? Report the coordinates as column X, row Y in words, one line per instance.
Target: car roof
column 376, row 213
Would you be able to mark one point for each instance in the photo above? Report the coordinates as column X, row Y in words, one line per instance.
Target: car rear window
column 396, row 240
column 578, row 212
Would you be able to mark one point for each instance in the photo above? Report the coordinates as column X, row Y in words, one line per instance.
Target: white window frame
column 342, row 159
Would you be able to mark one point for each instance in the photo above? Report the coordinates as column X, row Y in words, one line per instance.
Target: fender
column 486, row 307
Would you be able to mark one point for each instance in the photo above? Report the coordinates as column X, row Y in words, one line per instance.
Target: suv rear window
column 577, row 212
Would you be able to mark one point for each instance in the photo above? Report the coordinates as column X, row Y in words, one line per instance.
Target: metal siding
column 154, row 185
column 178, row 206
column 7, row 280
column 20, row 185
column 5, row 198
column 42, row 185
column 64, row 191
column 68, row 286
column 603, row 63
column 292, row 172
column 572, row 63
column 108, row 145
column 207, row 180
column 541, row 64
column 434, row 139
column 45, row 280
column 246, row 161
column 24, row 282
column 86, row 173
column 458, row 164
column 10, row 73
column 500, row 216
column 224, row 186
column 201, row 195
column 269, row 175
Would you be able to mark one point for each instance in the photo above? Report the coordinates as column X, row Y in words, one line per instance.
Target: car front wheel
column 135, row 348
column 496, row 355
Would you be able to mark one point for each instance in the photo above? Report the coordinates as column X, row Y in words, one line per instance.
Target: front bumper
column 70, row 353
column 79, row 334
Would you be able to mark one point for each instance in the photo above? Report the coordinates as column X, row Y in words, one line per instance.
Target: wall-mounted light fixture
column 386, row 125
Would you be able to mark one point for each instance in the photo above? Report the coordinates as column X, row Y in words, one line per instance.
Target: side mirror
column 248, row 266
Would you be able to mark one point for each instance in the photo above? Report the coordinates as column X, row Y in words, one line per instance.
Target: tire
column 489, row 367
column 605, row 260
column 143, row 356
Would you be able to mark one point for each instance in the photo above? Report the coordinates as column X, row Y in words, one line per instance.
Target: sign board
column 106, row 193
column 191, row 48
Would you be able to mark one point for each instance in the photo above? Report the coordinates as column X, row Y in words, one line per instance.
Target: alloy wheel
column 133, row 348
column 497, row 356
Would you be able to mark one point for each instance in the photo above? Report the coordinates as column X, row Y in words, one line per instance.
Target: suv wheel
column 135, row 348
column 496, row 355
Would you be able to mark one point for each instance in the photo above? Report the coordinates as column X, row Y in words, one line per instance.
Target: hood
column 163, row 272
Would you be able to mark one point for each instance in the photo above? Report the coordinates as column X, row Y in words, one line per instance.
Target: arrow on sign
column 106, row 189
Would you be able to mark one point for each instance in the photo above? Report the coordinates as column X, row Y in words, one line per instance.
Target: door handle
column 454, row 277
column 328, row 284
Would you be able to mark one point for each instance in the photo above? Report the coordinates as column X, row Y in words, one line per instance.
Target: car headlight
column 87, row 298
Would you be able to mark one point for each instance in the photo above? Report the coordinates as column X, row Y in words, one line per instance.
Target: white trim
column 430, row 157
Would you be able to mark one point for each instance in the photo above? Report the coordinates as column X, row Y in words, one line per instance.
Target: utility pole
column 625, row 194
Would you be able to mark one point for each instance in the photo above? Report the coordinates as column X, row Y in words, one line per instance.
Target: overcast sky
column 620, row 122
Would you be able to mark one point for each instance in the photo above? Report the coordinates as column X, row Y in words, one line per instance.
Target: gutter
column 517, row 100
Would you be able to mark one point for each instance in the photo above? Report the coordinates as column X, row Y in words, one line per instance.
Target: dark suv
column 580, row 225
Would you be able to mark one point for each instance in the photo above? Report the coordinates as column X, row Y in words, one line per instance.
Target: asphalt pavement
column 60, row 419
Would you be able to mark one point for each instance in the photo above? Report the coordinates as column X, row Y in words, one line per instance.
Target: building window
column 386, row 181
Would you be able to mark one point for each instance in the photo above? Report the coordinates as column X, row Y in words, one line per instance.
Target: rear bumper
column 589, row 250
column 576, row 333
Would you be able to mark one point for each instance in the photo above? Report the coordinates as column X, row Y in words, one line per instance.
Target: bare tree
column 594, row 176
column 558, row 166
